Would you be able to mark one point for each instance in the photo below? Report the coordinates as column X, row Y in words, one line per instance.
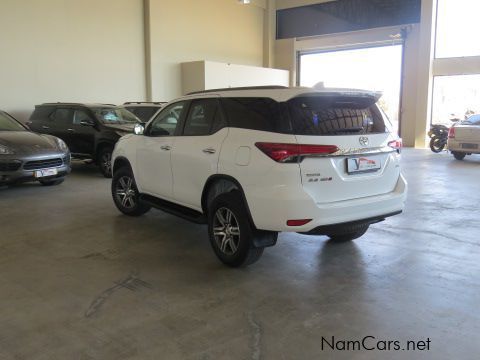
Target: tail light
column 451, row 133
column 396, row 144
column 286, row 153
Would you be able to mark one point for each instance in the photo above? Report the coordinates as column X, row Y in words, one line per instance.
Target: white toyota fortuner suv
column 251, row 162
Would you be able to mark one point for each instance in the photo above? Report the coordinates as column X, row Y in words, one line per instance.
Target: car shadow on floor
column 86, row 169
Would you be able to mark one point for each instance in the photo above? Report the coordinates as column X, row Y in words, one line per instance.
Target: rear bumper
column 456, row 145
column 336, row 229
column 271, row 211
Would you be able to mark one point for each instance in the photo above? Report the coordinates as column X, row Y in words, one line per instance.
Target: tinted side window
column 62, row 116
column 165, row 123
column 202, row 117
column 81, row 115
column 256, row 113
column 41, row 113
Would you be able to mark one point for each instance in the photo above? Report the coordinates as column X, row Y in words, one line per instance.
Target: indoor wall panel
column 69, row 50
column 213, row 30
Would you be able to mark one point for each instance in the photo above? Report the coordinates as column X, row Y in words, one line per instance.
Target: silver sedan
column 27, row 156
column 464, row 137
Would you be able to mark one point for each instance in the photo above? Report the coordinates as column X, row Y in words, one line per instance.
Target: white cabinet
column 204, row 75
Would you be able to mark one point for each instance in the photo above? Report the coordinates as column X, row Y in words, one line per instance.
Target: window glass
column 42, row 113
column 81, row 115
column 457, row 28
column 167, row 120
column 472, row 120
column 327, row 115
column 455, row 98
column 8, row 124
column 218, row 121
column 201, row 117
column 62, row 116
column 373, row 68
column 144, row 113
column 115, row 115
column 255, row 113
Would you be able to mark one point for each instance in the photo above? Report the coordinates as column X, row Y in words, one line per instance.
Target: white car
column 252, row 162
column 464, row 137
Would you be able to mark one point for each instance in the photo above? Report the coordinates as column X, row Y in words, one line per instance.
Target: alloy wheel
column 126, row 192
column 107, row 162
column 226, row 231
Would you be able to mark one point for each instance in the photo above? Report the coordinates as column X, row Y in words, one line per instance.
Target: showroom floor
column 80, row 281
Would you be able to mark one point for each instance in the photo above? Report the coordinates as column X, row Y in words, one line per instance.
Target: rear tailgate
column 364, row 165
column 467, row 133
column 355, row 171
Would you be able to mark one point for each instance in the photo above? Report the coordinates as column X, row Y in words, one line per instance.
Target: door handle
column 70, row 130
column 165, row 147
column 209, row 151
column 45, row 127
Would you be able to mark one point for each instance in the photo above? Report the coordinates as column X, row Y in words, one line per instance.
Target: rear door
column 195, row 153
column 40, row 120
column 59, row 122
column 81, row 136
column 364, row 164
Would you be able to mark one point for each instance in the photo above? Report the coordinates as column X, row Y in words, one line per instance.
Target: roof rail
column 268, row 87
column 76, row 104
column 144, row 102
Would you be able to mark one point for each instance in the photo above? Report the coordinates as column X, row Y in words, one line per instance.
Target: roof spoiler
column 267, row 87
column 362, row 98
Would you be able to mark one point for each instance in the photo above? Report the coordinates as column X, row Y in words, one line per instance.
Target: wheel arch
column 120, row 162
column 102, row 144
column 225, row 183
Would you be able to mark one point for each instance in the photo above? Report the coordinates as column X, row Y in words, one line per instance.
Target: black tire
column 125, row 193
column 52, row 182
column 349, row 234
column 458, row 155
column 104, row 160
column 436, row 144
column 237, row 250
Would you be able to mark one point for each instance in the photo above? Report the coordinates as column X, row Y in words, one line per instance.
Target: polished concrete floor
column 80, row 281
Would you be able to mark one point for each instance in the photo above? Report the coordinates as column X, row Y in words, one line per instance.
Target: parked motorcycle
column 439, row 134
column 438, row 137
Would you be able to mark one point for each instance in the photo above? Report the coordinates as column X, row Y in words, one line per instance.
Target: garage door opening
column 373, row 68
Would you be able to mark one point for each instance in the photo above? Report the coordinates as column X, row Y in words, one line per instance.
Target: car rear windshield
column 110, row 115
column 9, row 124
column 472, row 120
column 334, row 115
column 144, row 113
column 308, row 115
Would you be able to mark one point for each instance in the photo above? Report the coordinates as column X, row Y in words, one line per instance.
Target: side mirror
column 139, row 129
column 87, row 123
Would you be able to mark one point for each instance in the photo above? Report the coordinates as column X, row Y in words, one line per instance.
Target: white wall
column 70, row 50
column 215, row 30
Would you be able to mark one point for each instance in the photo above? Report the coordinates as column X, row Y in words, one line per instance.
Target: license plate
column 362, row 164
column 45, row 173
column 469, row 146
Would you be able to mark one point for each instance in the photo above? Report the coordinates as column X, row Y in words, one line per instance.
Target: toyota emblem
column 363, row 140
